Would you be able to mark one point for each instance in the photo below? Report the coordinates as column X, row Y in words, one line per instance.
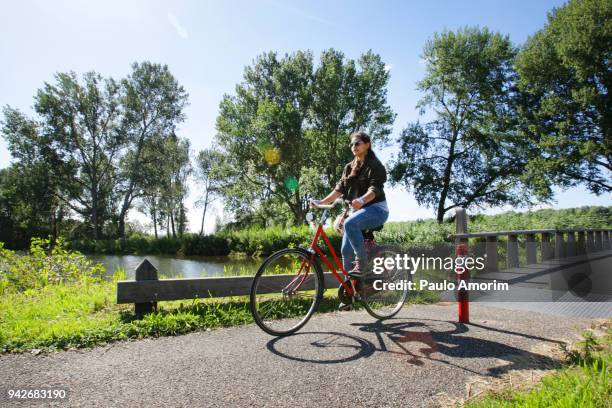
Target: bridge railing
column 567, row 243
column 553, row 243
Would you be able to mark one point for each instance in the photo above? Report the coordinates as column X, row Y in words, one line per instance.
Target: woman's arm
column 331, row 197
column 376, row 181
column 327, row 200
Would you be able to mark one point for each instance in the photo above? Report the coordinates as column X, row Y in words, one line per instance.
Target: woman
column 362, row 182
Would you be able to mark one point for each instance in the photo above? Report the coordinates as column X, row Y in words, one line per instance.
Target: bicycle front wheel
column 385, row 292
column 286, row 291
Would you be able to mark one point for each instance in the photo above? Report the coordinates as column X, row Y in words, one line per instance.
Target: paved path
column 341, row 359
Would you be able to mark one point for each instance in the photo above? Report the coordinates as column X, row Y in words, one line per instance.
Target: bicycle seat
column 369, row 233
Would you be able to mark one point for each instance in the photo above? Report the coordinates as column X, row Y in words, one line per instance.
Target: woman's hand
column 356, row 204
column 315, row 203
column 359, row 202
column 327, row 200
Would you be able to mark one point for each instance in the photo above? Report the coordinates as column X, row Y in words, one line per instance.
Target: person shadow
column 420, row 341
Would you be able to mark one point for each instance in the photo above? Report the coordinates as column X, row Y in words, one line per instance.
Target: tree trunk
column 446, row 181
column 298, row 211
column 121, row 226
column 94, row 213
column 53, row 228
column 182, row 222
column 204, row 212
column 172, row 223
column 155, row 220
column 127, row 200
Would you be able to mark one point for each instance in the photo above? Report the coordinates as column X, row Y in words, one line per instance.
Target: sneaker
column 345, row 306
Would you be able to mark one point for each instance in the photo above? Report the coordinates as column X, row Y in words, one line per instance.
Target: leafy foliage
column 469, row 154
column 95, row 147
column 79, row 125
column 284, row 133
column 44, row 265
column 188, row 244
column 565, row 75
column 206, row 167
column 419, row 234
column 30, row 187
column 153, row 103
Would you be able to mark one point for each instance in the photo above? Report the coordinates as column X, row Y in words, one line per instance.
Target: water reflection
column 184, row 267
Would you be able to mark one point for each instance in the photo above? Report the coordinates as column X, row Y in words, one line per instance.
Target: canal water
column 181, row 267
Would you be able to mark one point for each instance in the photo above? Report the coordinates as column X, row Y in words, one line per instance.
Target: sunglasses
column 357, row 143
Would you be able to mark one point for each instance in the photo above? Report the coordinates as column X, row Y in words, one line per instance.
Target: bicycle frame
column 339, row 273
column 314, row 247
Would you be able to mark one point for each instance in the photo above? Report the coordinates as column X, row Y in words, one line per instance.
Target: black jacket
column 371, row 177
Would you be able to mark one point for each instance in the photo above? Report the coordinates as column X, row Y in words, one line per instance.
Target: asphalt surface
column 422, row 358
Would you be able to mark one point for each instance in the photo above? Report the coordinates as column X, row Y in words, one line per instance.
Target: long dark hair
column 356, row 164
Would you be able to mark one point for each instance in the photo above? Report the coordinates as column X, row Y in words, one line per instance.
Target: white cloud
column 181, row 31
column 388, row 67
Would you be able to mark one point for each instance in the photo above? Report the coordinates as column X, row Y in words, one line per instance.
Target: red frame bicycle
column 288, row 290
column 315, row 250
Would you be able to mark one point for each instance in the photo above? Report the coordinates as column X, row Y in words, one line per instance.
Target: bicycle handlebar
column 329, row 206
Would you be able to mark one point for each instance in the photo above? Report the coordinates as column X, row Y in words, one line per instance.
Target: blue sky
column 207, row 45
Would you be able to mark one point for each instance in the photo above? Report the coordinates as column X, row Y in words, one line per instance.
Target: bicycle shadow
column 337, row 343
column 417, row 341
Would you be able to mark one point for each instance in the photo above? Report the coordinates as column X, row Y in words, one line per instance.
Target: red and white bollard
column 463, row 297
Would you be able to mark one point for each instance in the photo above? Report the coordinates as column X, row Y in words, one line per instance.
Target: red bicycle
column 288, row 287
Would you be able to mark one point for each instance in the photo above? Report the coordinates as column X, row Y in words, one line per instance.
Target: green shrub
column 257, row 241
column 420, row 236
column 44, row 265
column 188, row 244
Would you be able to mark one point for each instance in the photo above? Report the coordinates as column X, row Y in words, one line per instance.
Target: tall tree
column 284, row 134
column 28, row 207
column 261, row 129
column 154, row 181
column 468, row 154
column 348, row 96
column 80, row 121
column 565, row 74
column 33, row 191
column 153, row 103
column 165, row 167
column 205, row 167
column 179, row 170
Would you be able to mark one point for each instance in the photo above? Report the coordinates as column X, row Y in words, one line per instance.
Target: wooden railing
column 146, row 289
column 565, row 245
column 567, row 242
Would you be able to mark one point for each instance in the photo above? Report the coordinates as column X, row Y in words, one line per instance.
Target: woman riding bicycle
column 362, row 183
column 288, row 286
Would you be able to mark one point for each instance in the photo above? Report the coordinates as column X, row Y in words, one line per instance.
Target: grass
column 77, row 315
column 584, row 383
column 53, row 299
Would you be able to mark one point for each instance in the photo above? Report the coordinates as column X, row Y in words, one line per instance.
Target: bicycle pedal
column 345, row 307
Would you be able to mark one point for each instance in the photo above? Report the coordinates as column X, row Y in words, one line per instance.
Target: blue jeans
column 352, row 240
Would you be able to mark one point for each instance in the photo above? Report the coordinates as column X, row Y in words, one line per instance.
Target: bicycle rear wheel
column 286, row 291
column 384, row 294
